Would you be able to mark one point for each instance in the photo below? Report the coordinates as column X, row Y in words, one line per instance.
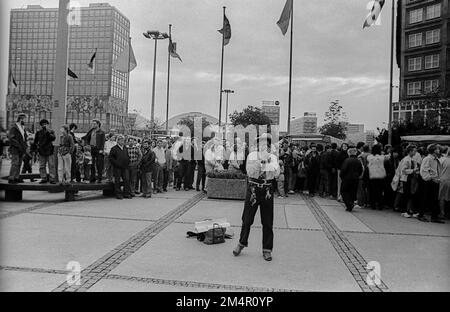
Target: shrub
column 226, row 174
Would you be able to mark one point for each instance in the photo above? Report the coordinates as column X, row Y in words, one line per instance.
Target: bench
column 13, row 192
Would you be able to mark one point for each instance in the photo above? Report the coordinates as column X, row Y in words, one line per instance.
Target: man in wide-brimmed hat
column 17, row 147
column 262, row 169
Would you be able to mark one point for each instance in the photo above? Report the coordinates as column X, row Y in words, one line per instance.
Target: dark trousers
column 323, row 183
column 183, row 173
column 190, row 173
column 201, row 177
column 26, row 164
column 16, row 162
column 97, row 164
column 332, row 183
column 124, row 175
column 266, row 211
column 376, row 192
column 133, row 172
column 312, row 182
column 430, row 199
column 75, row 173
column 165, row 176
column 349, row 189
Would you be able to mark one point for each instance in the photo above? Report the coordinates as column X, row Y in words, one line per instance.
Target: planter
column 227, row 188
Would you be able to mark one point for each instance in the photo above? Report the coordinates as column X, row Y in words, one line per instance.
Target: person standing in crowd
column 75, row 174
column 159, row 167
column 87, row 157
column 280, row 180
column 237, row 157
column 301, row 173
column 350, row 172
column 96, row 139
column 312, row 165
column 147, row 164
column 79, row 158
column 325, row 170
column 201, row 170
column 288, row 160
column 444, row 185
column 120, row 160
column 109, row 144
column 363, row 185
column 341, row 157
column 17, row 148
column 28, row 158
column 168, row 172
column 333, row 171
column 391, row 163
column 262, row 169
column 430, row 172
column 65, row 150
column 407, row 168
column 43, row 143
column 135, row 156
column 377, row 174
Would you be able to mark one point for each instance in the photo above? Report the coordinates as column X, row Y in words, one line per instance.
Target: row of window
column 415, row 87
column 417, row 63
column 431, row 12
column 431, row 37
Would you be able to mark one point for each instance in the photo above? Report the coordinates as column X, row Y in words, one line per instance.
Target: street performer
column 262, row 169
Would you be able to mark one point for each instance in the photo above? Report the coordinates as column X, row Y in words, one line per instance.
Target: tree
column 335, row 119
column 250, row 116
column 189, row 122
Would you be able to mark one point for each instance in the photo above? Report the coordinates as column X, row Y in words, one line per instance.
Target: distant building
column 102, row 95
column 304, row 125
column 370, row 138
column 424, row 55
column 272, row 110
column 354, row 128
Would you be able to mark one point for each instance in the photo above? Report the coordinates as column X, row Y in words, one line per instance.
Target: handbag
column 216, row 235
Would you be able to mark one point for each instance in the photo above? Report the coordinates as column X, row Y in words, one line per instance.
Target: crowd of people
column 408, row 179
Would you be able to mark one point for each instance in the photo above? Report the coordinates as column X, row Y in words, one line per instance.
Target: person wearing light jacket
column 377, row 174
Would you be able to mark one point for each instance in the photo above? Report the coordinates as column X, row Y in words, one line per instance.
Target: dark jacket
column 99, row 141
column 334, row 158
column 312, row 163
column 147, row 161
column 342, row 156
column 119, row 157
column 17, row 143
column 43, row 142
column 67, row 146
column 351, row 169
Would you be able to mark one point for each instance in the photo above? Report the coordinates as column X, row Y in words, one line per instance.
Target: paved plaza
column 140, row 245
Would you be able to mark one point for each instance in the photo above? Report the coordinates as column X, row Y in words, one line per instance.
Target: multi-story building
column 424, row 58
column 304, row 125
column 101, row 94
column 272, row 110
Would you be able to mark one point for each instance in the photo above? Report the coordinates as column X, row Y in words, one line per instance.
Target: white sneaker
column 406, row 215
column 416, row 215
column 357, row 207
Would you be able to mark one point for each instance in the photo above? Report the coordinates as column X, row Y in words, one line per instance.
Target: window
column 431, row 85
column 415, row 64
column 416, row 16
column 415, row 40
column 431, row 61
column 433, row 36
column 433, row 11
column 414, row 88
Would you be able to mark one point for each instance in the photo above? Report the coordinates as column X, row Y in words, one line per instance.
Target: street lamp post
column 227, row 92
column 155, row 35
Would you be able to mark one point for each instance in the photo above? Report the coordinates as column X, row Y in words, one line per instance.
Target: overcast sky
column 334, row 58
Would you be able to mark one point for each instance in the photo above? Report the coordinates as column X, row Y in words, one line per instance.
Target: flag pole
column 391, row 86
column 168, row 79
column 128, row 78
column 221, row 69
column 290, row 70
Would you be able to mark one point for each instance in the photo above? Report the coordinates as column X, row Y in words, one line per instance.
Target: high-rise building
column 272, row 110
column 101, row 94
column 304, row 125
column 424, row 56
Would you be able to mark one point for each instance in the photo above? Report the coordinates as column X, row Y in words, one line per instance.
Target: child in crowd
column 87, row 163
column 280, row 181
column 28, row 158
column 79, row 158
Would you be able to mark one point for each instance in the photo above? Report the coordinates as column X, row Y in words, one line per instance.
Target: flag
column 71, row 73
column 91, row 64
column 126, row 61
column 226, row 31
column 12, row 81
column 374, row 13
column 173, row 50
column 285, row 17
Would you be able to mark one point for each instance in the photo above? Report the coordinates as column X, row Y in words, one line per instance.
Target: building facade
column 101, row 94
column 272, row 110
column 304, row 125
column 424, row 58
